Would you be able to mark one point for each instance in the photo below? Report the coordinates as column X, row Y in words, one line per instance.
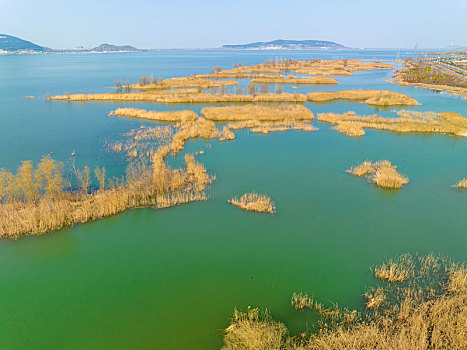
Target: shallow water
column 170, row 279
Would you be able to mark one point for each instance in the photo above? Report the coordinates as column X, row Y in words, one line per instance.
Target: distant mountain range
column 11, row 45
column 288, row 44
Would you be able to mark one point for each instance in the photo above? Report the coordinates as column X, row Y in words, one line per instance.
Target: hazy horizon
column 182, row 24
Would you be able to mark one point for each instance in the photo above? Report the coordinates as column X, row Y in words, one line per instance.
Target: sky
column 209, row 23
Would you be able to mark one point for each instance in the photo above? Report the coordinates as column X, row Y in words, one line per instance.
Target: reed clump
column 254, row 202
column 428, row 310
column 313, row 80
column 254, row 329
column 302, row 301
column 164, row 116
column 257, row 112
column 462, row 184
column 406, row 122
column 396, row 270
column 370, row 97
column 382, row 173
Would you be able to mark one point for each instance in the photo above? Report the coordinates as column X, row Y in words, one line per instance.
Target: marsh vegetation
column 350, row 124
column 382, row 173
column 370, row 97
column 259, row 203
column 427, row 309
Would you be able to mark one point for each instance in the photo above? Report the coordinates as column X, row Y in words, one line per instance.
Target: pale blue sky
column 209, row 23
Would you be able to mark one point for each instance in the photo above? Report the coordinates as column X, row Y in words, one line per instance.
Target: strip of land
column 164, row 116
column 180, row 82
column 313, row 80
column 350, row 124
column 312, row 67
column 175, row 97
column 257, row 112
column 370, row 97
column 431, row 74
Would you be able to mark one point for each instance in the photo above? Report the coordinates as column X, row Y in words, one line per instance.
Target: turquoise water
column 170, row 279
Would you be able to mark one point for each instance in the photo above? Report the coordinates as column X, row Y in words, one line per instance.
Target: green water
column 170, row 279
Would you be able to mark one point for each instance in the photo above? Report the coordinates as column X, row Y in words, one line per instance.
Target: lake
column 171, row 278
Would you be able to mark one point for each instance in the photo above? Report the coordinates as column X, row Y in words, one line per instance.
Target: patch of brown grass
column 370, row 97
column 254, row 202
column 381, row 173
column 407, row 122
column 165, row 116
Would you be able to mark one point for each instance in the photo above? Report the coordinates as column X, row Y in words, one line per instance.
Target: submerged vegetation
column 427, row 309
column 370, row 97
column 382, row 173
column 254, row 202
column 407, row 121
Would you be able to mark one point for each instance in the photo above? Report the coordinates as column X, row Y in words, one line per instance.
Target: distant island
column 288, row 44
column 11, row 45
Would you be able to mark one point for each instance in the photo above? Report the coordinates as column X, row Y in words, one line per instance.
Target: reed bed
column 164, row 116
column 407, row 122
column 34, row 200
column 313, row 80
column 265, row 127
column 182, row 82
column 254, row 202
column 382, row 173
column 257, row 112
column 314, row 67
column 175, row 97
column 227, row 75
column 462, row 184
column 428, row 310
column 370, row 97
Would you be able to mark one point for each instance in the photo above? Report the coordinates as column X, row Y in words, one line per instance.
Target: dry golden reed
column 461, row 184
column 254, row 202
column 165, row 116
column 428, row 310
column 407, row 122
column 382, row 173
column 182, row 82
column 175, row 97
column 313, row 80
column 313, row 67
column 370, row 97
column 34, row 201
column 257, row 112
